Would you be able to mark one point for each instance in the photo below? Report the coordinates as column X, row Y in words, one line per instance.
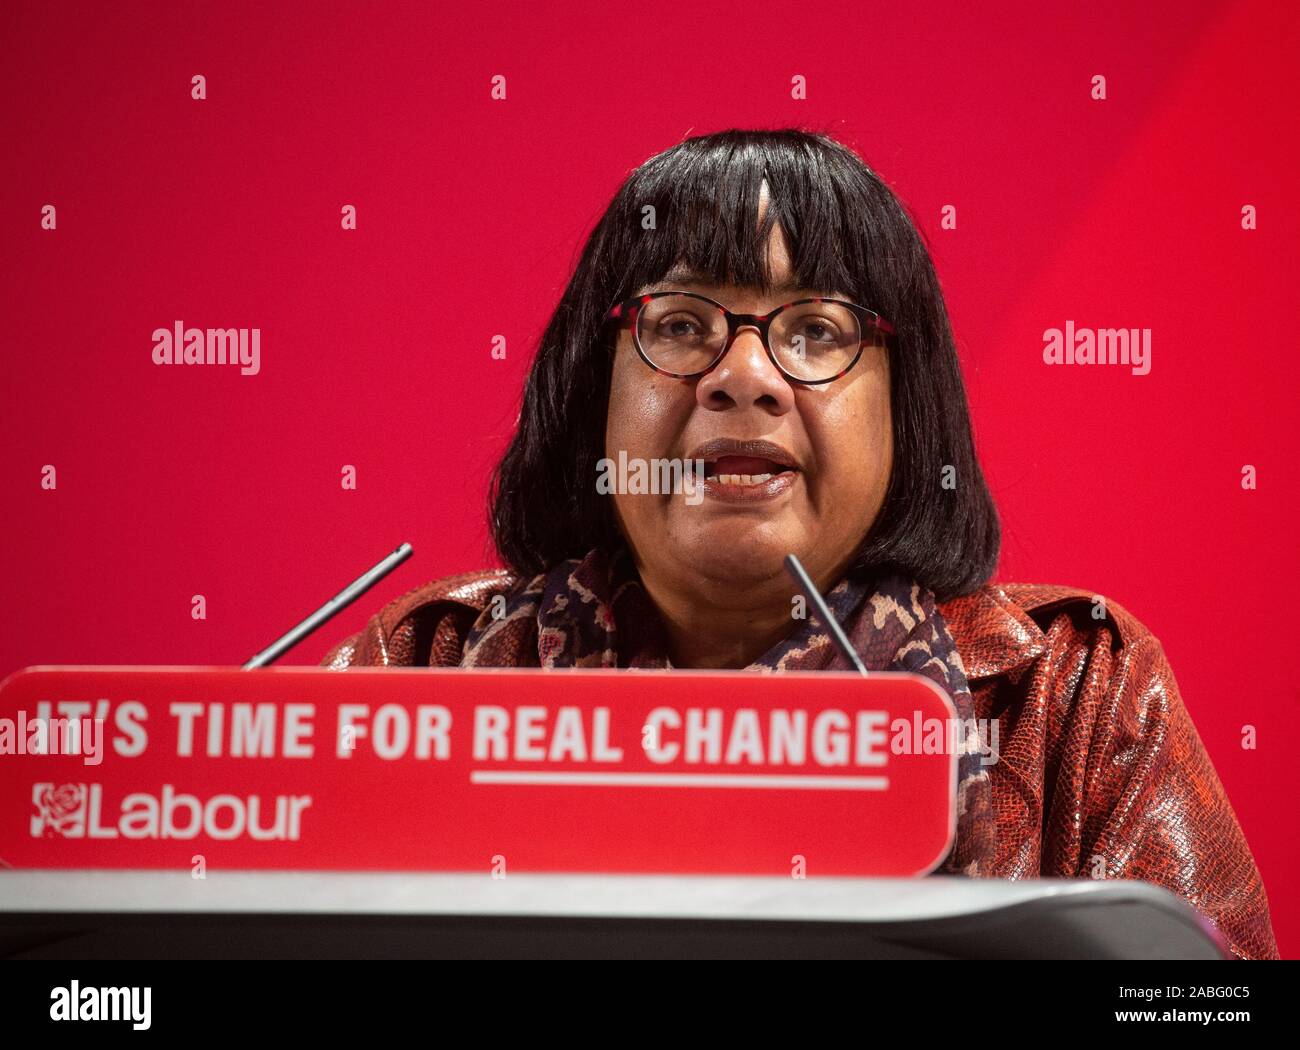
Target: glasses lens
column 680, row 333
column 815, row 340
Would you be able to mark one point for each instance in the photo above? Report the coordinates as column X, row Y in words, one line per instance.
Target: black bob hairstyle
column 846, row 231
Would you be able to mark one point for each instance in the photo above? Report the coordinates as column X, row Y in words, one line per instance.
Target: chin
column 738, row 561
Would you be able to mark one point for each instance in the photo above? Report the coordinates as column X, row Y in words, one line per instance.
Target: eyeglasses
column 810, row 341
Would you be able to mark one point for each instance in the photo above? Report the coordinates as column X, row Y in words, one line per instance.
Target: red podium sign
column 452, row 770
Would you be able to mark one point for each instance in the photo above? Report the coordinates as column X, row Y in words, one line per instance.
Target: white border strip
column 812, row 782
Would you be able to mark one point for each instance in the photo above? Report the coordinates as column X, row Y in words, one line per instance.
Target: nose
column 745, row 376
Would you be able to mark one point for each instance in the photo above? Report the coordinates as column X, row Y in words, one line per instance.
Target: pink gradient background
column 375, row 343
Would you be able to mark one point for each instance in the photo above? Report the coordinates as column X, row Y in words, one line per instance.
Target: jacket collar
column 994, row 635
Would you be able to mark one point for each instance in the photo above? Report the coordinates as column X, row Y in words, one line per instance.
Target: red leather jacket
column 1100, row 770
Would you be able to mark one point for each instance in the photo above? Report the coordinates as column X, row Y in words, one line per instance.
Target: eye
column 679, row 326
column 819, row 330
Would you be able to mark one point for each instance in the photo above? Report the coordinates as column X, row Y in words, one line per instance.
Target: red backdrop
column 225, row 212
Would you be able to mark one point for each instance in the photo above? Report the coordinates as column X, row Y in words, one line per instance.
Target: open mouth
column 744, row 470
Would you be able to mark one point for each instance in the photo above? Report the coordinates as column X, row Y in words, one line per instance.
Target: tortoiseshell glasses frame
column 872, row 329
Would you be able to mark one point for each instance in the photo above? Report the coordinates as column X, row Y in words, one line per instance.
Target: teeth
column 741, row 479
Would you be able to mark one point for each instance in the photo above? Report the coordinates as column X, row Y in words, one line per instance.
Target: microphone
column 804, row 582
column 331, row 608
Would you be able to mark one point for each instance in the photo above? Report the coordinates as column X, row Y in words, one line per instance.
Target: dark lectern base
column 306, row 915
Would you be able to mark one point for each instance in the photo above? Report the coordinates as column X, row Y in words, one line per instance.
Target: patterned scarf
column 594, row 612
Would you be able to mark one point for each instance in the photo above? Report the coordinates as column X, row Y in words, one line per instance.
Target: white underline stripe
column 810, row 782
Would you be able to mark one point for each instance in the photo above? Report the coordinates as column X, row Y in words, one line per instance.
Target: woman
column 759, row 304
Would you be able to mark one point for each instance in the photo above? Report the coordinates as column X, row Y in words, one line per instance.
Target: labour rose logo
column 60, row 810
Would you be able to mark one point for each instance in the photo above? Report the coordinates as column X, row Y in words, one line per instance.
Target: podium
column 156, row 812
column 315, row 915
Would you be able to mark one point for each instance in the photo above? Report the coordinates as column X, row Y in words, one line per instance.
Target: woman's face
column 836, row 439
